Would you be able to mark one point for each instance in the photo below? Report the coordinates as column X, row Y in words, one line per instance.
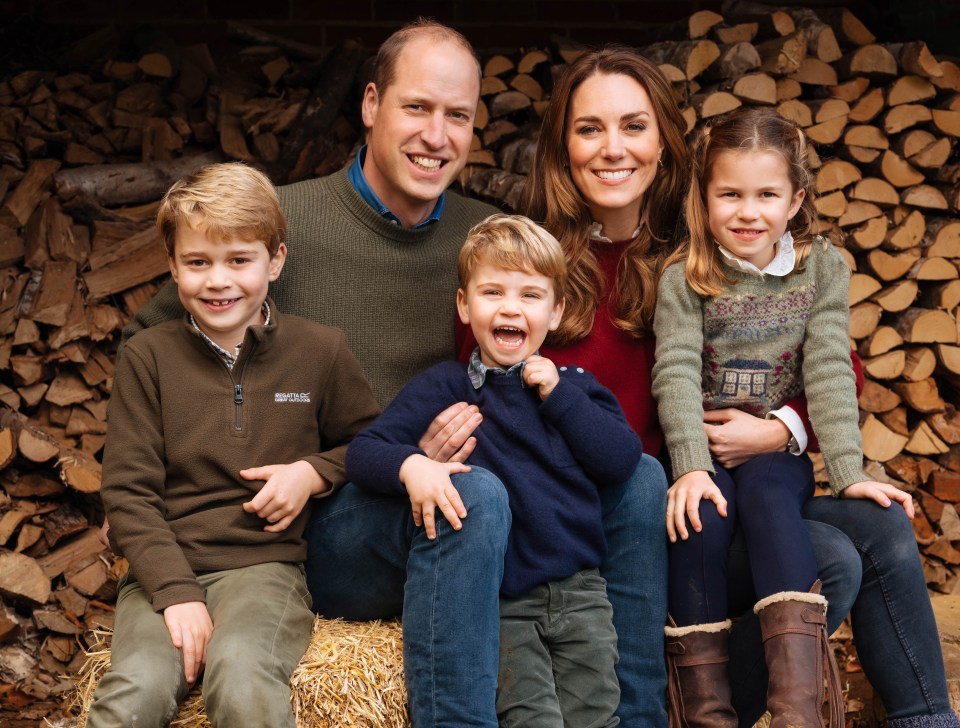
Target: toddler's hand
column 882, row 493
column 683, row 501
column 285, row 493
column 429, row 487
column 541, row 373
column 190, row 629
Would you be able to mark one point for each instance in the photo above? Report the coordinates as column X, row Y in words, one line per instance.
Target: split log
column 310, row 141
column 918, row 325
column 124, row 184
column 21, row 578
column 876, row 398
column 882, row 340
column 879, row 442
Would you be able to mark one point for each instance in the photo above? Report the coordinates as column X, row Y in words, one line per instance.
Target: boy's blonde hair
column 513, row 242
column 743, row 130
column 223, row 201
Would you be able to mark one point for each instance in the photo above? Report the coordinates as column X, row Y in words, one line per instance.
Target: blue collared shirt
column 478, row 370
column 360, row 184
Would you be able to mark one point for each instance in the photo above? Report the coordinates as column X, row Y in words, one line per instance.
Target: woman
column 607, row 181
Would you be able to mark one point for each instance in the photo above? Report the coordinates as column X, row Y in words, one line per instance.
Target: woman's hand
column 737, row 436
column 683, row 502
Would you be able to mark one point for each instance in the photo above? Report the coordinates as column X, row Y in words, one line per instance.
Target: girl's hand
column 882, row 493
column 683, row 501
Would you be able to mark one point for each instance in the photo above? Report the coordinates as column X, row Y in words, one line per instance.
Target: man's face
column 420, row 127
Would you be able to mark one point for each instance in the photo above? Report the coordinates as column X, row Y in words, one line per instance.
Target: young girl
column 755, row 315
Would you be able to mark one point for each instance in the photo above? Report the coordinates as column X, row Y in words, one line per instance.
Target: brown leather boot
column 794, row 628
column 698, row 689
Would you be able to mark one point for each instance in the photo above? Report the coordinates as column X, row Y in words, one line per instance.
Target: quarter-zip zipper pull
column 238, row 402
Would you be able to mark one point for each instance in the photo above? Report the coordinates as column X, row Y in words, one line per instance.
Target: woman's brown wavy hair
column 551, row 198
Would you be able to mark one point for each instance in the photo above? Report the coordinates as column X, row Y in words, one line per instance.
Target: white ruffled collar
column 595, row 231
column 782, row 264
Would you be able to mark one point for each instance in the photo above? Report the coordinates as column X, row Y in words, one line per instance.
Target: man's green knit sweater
column 762, row 341
column 392, row 290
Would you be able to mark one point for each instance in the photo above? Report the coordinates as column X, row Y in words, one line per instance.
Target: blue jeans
column 893, row 623
column 367, row 560
column 634, row 522
column 868, row 561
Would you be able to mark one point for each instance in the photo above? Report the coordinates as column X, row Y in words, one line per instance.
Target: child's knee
column 485, row 498
column 143, row 693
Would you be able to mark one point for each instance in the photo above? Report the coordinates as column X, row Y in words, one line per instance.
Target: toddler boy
column 223, row 425
column 551, row 436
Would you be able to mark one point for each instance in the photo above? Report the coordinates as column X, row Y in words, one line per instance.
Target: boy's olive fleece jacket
column 392, row 290
column 182, row 426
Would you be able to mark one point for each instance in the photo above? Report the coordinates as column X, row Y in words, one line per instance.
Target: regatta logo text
column 292, row 397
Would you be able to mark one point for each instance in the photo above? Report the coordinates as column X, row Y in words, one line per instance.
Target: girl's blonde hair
column 551, row 197
column 512, row 242
column 223, row 201
column 744, row 130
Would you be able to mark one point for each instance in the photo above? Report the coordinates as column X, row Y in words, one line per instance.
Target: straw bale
column 350, row 675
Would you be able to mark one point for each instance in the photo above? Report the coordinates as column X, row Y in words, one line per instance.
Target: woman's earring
column 660, row 161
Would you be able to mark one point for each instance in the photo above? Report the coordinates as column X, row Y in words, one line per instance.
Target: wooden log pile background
column 87, row 150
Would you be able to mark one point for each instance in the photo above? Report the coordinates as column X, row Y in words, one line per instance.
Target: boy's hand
column 541, row 373
column 683, row 501
column 285, row 493
column 429, row 486
column 882, row 493
column 103, row 534
column 449, row 438
column 190, row 629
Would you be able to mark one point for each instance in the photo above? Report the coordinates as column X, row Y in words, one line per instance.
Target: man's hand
column 285, row 493
column 737, row 436
column 190, row 629
column 429, row 486
column 683, row 502
column 541, row 373
column 449, row 438
column 882, row 493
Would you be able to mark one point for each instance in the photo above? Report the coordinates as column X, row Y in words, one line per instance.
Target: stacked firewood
column 86, row 154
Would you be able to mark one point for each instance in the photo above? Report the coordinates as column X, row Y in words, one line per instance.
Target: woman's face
column 613, row 143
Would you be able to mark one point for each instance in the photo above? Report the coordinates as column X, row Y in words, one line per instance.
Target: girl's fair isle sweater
column 762, row 341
